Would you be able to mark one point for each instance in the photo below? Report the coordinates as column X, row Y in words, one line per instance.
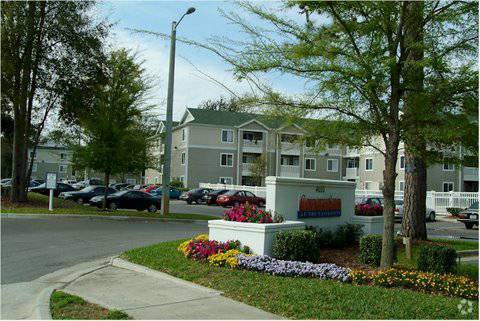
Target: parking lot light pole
column 168, row 126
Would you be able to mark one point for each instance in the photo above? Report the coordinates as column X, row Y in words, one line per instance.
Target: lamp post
column 168, row 127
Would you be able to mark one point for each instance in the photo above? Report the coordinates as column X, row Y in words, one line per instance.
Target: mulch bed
column 6, row 203
column 346, row 257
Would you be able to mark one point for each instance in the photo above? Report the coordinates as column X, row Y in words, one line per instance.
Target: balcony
column 252, row 146
column 352, row 152
column 246, row 168
column 470, row 174
column 289, row 148
column 351, row 173
column 289, row 170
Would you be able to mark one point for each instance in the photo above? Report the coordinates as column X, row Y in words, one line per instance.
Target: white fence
column 439, row 201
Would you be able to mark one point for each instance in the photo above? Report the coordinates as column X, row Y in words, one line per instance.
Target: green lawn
column 470, row 270
column 71, row 307
column 300, row 298
column 38, row 204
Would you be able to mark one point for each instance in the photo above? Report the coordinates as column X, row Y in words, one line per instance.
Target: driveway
column 33, row 247
column 183, row 207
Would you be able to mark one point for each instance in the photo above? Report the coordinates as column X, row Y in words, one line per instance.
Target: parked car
column 211, row 198
column 195, row 195
column 469, row 216
column 235, row 197
column 86, row 194
column 41, row 181
column 88, row 182
column 369, row 201
column 130, row 186
column 118, row 186
column 5, row 181
column 429, row 213
column 149, row 188
column 61, row 188
column 138, row 187
column 174, row 193
column 130, row 200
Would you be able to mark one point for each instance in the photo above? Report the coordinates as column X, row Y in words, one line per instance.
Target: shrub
column 368, row 210
column 248, row 213
column 176, row 184
column 438, row 259
column 228, row 258
column 296, row 245
column 267, row 264
column 371, row 249
column 454, row 211
column 344, row 235
column 446, row 284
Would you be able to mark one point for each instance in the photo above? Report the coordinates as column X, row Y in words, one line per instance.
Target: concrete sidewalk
column 148, row 294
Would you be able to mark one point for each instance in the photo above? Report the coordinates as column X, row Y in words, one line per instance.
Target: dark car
column 174, row 193
column 369, row 201
column 195, row 195
column 234, row 197
column 211, row 198
column 86, row 194
column 130, row 200
column 118, row 186
column 469, row 217
column 61, row 188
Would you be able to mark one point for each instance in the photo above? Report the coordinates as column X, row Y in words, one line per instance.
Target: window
column 225, row 180
column 448, row 167
column 226, row 160
column 310, row 164
column 369, row 164
column 62, row 168
column 63, row 156
column 249, row 194
column 401, row 186
column 183, row 135
column 447, row 186
column 227, row 136
column 288, row 138
column 352, row 163
column 332, row 165
column 131, row 181
column 402, row 162
column 34, row 167
column 183, row 158
column 289, row 160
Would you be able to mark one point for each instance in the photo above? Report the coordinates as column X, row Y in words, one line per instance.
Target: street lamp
column 168, row 127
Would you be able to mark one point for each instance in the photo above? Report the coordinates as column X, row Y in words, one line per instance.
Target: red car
column 148, row 188
column 234, row 197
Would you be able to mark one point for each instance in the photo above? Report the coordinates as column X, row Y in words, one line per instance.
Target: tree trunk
column 107, row 181
column 389, row 176
column 415, row 196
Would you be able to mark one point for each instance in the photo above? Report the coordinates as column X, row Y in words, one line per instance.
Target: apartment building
column 220, row 147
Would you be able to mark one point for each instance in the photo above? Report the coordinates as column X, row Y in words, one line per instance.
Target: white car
column 429, row 213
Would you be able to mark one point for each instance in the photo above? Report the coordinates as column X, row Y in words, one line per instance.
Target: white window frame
column 227, row 154
column 183, row 158
column 221, row 136
column 400, row 188
column 400, row 162
column 334, row 168
column 366, row 161
column 34, row 167
column 184, row 134
column 225, row 177
column 62, row 166
column 314, row 167
column 448, row 169
column 443, row 186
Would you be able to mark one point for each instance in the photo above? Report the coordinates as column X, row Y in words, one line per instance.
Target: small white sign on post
column 51, row 184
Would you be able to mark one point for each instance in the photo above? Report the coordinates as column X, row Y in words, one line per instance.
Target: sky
column 191, row 87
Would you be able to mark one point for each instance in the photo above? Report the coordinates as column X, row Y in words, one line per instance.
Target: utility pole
column 168, row 125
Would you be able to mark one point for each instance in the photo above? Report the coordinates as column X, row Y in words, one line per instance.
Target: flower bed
column 267, row 264
column 368, row 210
column 249, row 214
column 201, row 248
column 446, row 284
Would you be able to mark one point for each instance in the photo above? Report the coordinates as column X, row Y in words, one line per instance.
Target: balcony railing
column 246, row 166
column 351, row 172
column 470, row 174
column 290, row 170
column 252, row 143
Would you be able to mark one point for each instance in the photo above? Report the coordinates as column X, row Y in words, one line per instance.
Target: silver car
column 429, row 213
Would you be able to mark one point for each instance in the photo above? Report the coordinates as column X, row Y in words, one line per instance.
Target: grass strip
column 64, row 306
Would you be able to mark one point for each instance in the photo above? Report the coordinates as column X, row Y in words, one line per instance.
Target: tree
column 352, row 58
column 45, row 45
column 441, row 96
column 114, row 138
column 258, row 169
column 222, row 104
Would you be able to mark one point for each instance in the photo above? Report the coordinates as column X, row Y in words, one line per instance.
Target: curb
column 123, row 264
column 109, row 217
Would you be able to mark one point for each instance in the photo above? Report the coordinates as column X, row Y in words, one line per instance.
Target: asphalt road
column 183, row 207
column 33, row 247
